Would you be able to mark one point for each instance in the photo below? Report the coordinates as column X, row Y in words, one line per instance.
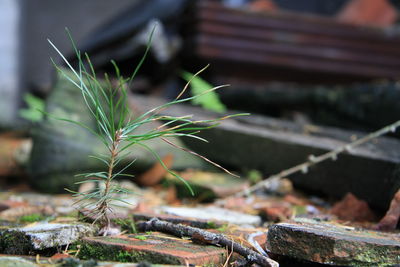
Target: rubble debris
column 150, row 247
column 195, row 222
column 27, row 240
column 390, row 220
column 333, row 244
column 14, row 154
column 16, row 262
column 284, row 144
column 276, row 212
column 350, row 208
column 211, row 213
column 208, row 185
column 20, row 211
column 205, row 237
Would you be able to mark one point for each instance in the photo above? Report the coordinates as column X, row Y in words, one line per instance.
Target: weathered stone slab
column 25, row 240
column 211, row 213
column 16, row 262
column 145, row 216
column 334, row 244
column 272, row 145
column 153, row 248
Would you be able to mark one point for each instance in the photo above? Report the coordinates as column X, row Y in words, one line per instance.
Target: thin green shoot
column 116, row 129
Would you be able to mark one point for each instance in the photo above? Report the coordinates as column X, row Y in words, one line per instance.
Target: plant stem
column 104, row 205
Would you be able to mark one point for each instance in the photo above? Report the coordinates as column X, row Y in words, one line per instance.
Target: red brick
column 153, row 248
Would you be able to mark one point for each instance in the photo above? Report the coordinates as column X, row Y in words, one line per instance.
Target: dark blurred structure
column 306, row 41
column 46, row 19
column 251, row 44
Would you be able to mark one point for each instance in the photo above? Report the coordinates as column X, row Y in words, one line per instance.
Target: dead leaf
column 154, row 175
column 263, row 5
column 277, row 212
column 171, row 196
column 368, row 12
column 59, row 256
column 350, row 208
column 390, row 220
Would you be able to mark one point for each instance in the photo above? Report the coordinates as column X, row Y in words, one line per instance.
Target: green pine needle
column 116, row 128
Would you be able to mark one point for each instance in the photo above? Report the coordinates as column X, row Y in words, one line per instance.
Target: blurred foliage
column 209, row 101
column 34, row 107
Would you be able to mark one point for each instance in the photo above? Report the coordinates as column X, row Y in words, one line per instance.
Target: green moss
column 140, row 237
column 211, row 225
column 29, row 218
column 15, row 242
column 254, row 176
column 110, row 253
column 371, row 255
column 127, row 225
column 223, row 228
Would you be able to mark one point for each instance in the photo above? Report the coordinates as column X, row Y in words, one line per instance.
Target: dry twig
column 203, row 236
column 313, row 160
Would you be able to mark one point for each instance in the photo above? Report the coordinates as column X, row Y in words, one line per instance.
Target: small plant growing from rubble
column 116, row 130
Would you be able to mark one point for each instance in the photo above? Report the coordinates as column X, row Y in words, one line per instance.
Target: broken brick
column 350, row 208
column 392, row 216
column 333, row 244
column 153, row 248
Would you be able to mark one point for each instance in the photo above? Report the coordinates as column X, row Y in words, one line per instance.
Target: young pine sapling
column 116, row 129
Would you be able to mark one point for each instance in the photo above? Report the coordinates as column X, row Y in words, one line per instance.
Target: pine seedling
column 117, row 130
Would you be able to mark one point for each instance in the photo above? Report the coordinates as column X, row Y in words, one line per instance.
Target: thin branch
column 313, row 160
column 198, row 155
column 203, row 236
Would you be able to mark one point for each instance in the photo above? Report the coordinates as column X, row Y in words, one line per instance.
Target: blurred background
column 292, row 64
column 248, row 44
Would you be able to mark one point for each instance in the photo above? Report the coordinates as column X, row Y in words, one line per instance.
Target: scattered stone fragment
column 392, row 216
column 17, row 212
column 153, row 248
column 208, row 185
column 8, row 204
column 50, row 204
column 350, row 208
column 211, row 213
column 59, row 256
column 177, row 219
column 276, row 212
column 16, row 262
column 26, row 240
column 333, row 244
column 14, row 154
